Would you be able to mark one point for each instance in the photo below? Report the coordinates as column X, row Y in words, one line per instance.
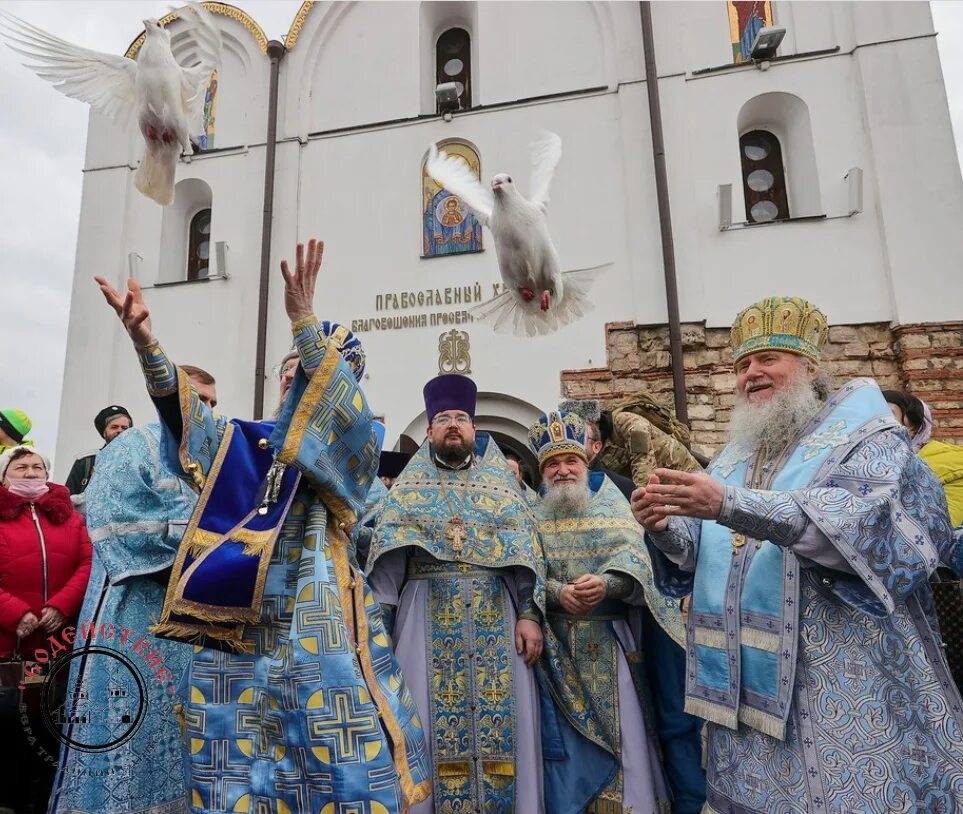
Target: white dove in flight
column 165, row 99
column 540, row 298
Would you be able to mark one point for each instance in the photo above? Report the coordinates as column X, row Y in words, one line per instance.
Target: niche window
column 763, row 177
column 453, row 63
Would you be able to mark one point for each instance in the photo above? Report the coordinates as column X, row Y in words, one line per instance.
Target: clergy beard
column 454, row 455
column 775, row 423
column 565, row 499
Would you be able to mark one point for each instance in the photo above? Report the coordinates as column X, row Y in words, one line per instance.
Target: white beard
column 564, row 499
column 774, row 423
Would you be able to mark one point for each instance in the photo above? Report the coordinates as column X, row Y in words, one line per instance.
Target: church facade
column 828, row 171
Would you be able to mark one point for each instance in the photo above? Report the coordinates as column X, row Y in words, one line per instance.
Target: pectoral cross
column 456, row 534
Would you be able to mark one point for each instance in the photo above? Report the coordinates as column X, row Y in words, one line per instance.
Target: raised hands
column 299, row 287
column 131, row 309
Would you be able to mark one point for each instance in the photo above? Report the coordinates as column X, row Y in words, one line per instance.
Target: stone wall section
column 925, row 359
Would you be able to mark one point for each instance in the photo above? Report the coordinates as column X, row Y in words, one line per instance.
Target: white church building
column 827, row 171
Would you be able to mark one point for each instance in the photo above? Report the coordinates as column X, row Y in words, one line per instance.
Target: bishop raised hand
column 131, row 309
column 299, row 287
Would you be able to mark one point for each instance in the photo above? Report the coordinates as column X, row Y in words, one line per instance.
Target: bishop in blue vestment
column 294, row 700
column 812, row 649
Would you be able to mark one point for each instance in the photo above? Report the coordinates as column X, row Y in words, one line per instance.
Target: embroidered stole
column 218, row 577
column 743, row 630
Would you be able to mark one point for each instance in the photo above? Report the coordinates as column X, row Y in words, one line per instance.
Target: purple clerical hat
column 451, row 391
column 392, row 464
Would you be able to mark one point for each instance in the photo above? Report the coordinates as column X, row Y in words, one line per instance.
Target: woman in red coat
column 44, row 566
column 44, row 554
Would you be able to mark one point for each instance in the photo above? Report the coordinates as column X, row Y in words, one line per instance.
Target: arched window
column 199, row 246
column 453, row 62
column 763, row 177
column 448, row 225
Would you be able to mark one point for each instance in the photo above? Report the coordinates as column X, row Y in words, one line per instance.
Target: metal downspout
column 665, row 218
column 275, row 51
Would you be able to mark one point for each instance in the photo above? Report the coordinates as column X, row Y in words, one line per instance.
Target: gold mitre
column 789, row 324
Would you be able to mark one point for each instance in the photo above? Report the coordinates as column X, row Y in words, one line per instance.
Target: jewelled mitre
column 789, row 324
column 558, row 433
column 348, row 345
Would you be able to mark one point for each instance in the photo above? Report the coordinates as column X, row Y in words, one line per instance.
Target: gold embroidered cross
column 493, row 693
column 456, row 533
column 449, row 695
column 448, row 617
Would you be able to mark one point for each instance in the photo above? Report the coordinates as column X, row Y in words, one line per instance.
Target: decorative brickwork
column 925, row 359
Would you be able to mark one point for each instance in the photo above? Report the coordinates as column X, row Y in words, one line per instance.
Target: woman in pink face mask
column 44, row 554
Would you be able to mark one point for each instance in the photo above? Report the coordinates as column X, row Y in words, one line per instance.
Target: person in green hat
column 14, row 425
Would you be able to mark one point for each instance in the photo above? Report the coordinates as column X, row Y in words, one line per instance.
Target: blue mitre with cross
column 557, row 433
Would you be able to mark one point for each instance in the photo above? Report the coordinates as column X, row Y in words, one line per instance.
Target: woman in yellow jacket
column 945, row 459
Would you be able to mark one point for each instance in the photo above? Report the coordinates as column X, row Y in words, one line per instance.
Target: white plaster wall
column 361, row 193
column 881, row 107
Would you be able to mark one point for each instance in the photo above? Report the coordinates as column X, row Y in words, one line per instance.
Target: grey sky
column 42, row 139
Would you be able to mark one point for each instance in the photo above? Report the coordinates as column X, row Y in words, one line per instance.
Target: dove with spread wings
column 540, row 297
column 164, row 98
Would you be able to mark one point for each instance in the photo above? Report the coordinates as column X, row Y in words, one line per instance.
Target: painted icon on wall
column 448, row 225
column 746, row 17
column 205, row 139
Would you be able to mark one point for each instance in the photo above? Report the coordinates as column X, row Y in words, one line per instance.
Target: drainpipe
column 665, row 218
column 275, row 51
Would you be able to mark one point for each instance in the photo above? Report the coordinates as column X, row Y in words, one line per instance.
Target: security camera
column 446, row 97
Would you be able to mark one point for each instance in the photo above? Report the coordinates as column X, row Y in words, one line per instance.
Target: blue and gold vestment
column 606, row 540
column 300, row 708
column 456, row 556
column 812, row 648
column 137, row 511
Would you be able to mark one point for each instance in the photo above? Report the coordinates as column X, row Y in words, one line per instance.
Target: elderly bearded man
column 598, row 577
column 807, row 548
column 295, row 700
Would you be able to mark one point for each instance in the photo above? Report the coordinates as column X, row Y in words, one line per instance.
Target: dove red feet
column 166, row 135
column 527, row 294
column 543, row 302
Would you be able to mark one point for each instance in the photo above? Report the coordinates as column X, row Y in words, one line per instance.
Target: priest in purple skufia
column 455, row 570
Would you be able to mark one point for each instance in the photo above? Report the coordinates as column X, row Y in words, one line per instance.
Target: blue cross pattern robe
column 137, row 511
column 312, row 715
column 812, row 646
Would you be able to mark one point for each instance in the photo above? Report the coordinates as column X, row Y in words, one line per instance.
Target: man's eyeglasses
column 445, row 420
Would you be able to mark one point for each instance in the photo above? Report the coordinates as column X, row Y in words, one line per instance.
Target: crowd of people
column 336, row 628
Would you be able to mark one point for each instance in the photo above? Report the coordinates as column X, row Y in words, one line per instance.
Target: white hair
column 774, row 423
column 567, row 498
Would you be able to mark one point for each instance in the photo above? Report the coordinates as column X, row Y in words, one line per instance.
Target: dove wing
column 205, row 52
column 105, row 81
column 546, row 152
column 456, row 176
